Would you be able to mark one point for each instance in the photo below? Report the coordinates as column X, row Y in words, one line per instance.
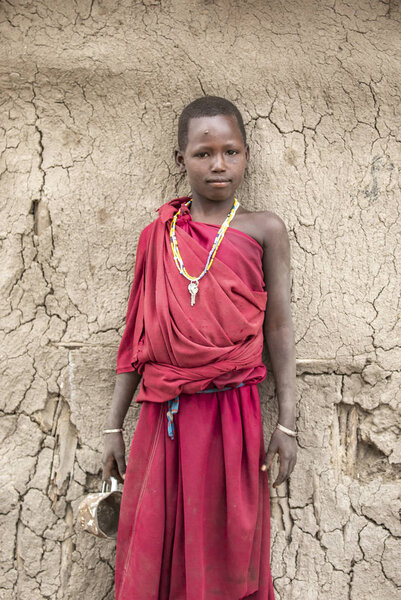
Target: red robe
column 195, row 514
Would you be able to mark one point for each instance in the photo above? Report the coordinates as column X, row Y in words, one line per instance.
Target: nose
column 218, row 163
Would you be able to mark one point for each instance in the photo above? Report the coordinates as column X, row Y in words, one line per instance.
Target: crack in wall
column 320, row 102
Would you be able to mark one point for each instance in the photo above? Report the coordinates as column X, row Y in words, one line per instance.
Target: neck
column 210, row 211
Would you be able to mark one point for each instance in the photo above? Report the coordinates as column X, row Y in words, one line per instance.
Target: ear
column 179, row 160
column 247, row 160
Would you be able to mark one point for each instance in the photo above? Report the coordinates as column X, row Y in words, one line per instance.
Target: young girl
column 211, row 283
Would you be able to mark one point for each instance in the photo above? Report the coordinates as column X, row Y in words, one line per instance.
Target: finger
column 286, row 476
column 270, row 454
column 283, row 473
column 121, row 466
column 106, row 471
column 291, row 467
column 106, row 477
column 110, row 469
column 268, row 460
column 114, row 472
column 280, row 479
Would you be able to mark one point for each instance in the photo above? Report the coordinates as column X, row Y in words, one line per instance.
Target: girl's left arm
column 279, row 339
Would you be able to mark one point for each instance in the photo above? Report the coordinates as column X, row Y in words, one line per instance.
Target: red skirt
column 195, row 512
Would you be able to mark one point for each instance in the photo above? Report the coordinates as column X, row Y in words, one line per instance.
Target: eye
column 232, row 152
column 201, row 154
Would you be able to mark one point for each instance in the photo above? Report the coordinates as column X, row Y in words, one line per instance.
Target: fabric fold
column 179, row 348
column 195, row 517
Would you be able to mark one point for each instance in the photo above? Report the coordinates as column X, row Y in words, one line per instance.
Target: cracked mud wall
column 90, row 96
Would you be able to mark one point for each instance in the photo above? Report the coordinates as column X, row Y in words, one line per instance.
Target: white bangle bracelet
column 286, row 430
column 112, row 430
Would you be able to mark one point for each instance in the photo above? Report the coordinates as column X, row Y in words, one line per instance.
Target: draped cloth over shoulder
column 195, row 512
column 179, row 348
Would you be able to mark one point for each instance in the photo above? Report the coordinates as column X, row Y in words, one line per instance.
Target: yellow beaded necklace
column 193, row 285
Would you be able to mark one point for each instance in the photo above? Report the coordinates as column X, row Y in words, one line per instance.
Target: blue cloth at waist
column 173, row 405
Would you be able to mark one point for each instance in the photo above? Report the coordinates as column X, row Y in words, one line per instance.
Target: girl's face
column 215, row 157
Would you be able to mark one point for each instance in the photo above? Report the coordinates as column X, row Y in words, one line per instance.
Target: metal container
column 98, row 513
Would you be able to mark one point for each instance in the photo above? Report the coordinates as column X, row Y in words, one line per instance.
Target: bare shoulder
column 271, row 223
column 265, row 226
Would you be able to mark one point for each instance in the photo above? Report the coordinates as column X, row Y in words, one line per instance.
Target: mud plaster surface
column 90, row 95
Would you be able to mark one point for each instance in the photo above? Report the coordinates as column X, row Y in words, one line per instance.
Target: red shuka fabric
column 195, row 513
column 218, row 341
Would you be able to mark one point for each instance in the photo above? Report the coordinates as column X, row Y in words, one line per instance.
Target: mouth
column 219, row 182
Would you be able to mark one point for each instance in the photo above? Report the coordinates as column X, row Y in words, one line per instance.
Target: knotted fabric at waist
column 173, row 405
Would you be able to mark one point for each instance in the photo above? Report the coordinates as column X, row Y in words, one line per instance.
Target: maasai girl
column 211, row 283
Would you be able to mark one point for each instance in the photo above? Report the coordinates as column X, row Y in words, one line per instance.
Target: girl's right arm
column 114, row 448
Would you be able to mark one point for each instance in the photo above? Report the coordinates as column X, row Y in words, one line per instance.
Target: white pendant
column 193, row 290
